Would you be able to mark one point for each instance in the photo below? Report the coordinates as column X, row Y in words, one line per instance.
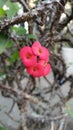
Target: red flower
column 36, row 70
column 40, row 51
column 27, row 56
column 35, row 59
column 46, row 67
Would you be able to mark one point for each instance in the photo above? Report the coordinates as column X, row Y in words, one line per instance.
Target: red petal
column 37, row 70
column 24, row 53
column 35, row 47
column 45, row 53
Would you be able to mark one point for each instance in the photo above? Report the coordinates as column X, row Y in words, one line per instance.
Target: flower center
column 28, row 56
column 35, row 69
column 40, row 51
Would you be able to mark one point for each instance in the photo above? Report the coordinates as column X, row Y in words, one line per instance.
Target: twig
column 24, row 4
column 19, row 93
column 48, row 81
column 25, row 17
column 45, row 119
column 12, row 118
column 15, row 40
column 62, row 124
column 11, row 107
column 52, row 125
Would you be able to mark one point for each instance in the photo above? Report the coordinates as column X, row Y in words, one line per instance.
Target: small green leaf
column 36, row 1
column 2, row 128
column 1, row 74
column 14, row 57
column 13, row 8
column 3, row 43
column 2, row 12
column 31, row 36
column 19, row 30
column 9, row 43
column 2, row 2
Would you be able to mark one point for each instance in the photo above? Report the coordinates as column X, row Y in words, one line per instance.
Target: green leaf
column 2, row 128
column 9, row 44
column 36, row 1
column 13, row 9
column 19, row 30
column 31, row 36
column 14, row 57
column 1, row 74
column 2, row 2
column 2, row 12
column 3, row 43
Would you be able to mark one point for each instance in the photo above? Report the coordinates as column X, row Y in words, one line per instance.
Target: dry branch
column 25, row 17
column 19, row 93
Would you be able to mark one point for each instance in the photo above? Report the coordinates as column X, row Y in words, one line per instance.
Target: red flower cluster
column 35, row 59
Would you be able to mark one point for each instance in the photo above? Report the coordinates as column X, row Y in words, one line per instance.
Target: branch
column 24, row 4
column 25, row 17
column 19, row 93
column 65, row 23
column 44, row 119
